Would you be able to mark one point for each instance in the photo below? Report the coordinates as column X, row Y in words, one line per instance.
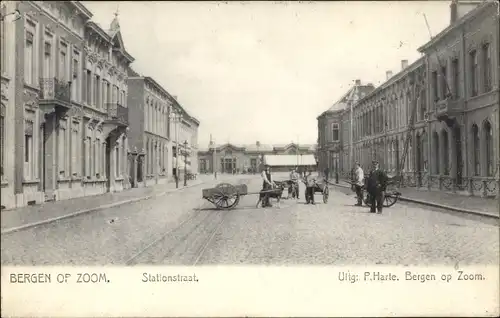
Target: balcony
column 55, row 95
column 116, row 120
column 117, row 114
column 447, row 109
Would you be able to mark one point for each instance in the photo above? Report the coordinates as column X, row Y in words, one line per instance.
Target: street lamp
column 185, row 162
column 175, row 116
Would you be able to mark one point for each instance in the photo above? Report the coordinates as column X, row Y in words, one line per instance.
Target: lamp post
column 185, row 162
column 174, row 117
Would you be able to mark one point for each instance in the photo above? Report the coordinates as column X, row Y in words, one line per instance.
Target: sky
column 264, row 71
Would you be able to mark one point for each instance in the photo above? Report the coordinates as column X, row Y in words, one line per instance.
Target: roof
column 398, row 76
column 468, row 16
column 261, row 147
column 353, row 94
column 289, row 160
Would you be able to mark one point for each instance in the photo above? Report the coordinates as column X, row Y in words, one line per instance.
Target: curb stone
column 96, row 209
column 436, row 205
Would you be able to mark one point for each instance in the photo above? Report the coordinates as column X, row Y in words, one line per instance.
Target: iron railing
column 55, row 89
column 477, row 186
column 117, row 112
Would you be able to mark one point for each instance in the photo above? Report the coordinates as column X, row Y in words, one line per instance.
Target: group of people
column 375, row 184
column 295, row 177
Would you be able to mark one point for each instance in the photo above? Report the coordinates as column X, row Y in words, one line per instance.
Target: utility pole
column 351, row 124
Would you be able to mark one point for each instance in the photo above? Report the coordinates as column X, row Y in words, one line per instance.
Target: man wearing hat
column 376, row 185
column 267, row 185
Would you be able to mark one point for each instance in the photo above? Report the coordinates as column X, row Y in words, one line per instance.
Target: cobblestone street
column 179, row 228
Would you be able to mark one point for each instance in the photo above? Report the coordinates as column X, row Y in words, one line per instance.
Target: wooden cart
column 225, row 196
column 321, row 187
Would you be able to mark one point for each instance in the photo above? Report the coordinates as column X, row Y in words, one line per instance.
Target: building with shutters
column 452, row 146
column 248, row 158
column 65, row 96
column 149, row 134
column 462, row 131
column 154, row 133
column 184, row 132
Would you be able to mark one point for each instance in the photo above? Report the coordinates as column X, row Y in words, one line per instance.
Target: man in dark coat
column 376, row 184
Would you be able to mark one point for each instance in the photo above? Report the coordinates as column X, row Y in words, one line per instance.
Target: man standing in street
column 310, row 182
column 376, row 185
column 327, row 174
column 267, row 185
column 294, row 177
column 358, row 183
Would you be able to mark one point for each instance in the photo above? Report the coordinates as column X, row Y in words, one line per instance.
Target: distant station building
column 232, row 158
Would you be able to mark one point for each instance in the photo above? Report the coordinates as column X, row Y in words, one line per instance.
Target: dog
column 275, row 193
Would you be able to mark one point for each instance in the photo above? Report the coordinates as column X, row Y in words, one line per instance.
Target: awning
column 289, row 160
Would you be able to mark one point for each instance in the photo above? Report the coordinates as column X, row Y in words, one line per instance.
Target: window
column 105, row 86
column 444, row 82
column 434, row 83
column 74, row 150
column 61, row 162
column 76, row 84
column 117, row 161
column 489, row 150
column 108, row 92
column 436, row 153
column 474, row 78
column 89, row 87
column 47, row 60
column 456, row 78
column 3, row 44
column 97, row 156
column 446, row 156
column 28, row 150
column 487, row 67
column 63, row 62
column 146, row 115
column 29, row 59
column 2, row 139
column 88, row 141
column 423, row 104
column 96, row 101
column 476, row 150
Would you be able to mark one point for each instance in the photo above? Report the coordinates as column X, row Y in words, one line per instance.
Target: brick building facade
column 454, row 141
column 154, row 132
column 65, row 114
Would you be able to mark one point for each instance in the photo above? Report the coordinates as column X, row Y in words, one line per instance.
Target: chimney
column 358, row 82
column 453, row 11
column 388, row 75
column 404, row 64
column 175, row 97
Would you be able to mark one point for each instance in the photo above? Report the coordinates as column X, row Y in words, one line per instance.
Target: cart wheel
column 390, row 200
column 326, row 193
column 227, row 196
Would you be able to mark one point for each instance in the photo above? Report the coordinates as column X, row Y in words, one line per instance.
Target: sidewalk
column 52, row 211
column 444, row 200
column 29, row 216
